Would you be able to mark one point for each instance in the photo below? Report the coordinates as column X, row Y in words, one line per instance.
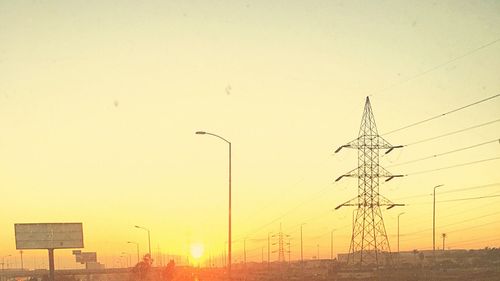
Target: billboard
column 86, row 257
column 48, row 235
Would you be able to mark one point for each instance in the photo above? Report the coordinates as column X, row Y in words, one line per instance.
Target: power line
column 442, row 114
column 450, row 191
column 471, row 187
column 441, row 65
column 453, row 166
column 470, row 198
column 451, row 224
column 320, row 192
column 454, row 132
column 444, row 153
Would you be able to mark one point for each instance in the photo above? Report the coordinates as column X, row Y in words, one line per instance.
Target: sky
column 100, row 102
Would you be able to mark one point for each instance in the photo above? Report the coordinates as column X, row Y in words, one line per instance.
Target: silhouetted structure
column 281, row 245
column 369, row 239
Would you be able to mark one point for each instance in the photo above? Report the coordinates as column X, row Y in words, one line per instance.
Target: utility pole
column 301, row 246
column 369, row 237
column 245, row 252
column 398, row 233
column 444, row 238
column 331, row 245
column 268, row 250
column 434, row 224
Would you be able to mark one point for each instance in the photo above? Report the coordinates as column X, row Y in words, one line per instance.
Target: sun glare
column 197, row 250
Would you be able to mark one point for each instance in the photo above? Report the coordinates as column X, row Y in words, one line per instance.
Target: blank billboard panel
column 48, row 235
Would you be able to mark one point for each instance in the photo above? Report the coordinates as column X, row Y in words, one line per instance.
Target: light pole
column 331, row 244
column 3, row 260
column 137, row 244
column 129, row 263
column 434, row 224
column 268, row 250
column 229, row 231
column 149, row 237
column 301, row 246
column 398, row 233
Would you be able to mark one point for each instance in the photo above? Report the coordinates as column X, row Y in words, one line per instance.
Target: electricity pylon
column 369, row 241
column 281, row 245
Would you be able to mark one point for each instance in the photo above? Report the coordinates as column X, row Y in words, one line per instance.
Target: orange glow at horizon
column 100, row 102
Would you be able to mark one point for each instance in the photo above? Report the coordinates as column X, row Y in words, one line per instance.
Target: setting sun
column 197, row 250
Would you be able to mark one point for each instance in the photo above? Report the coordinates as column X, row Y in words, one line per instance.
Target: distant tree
column 168, row 271
column 421, row 257
column 142, row 270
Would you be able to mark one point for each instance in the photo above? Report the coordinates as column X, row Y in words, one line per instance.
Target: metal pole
column 137, row 244
column 229, row 232
column 230, row 242
column 149, row 242
column 398, row 234
column 301, row 246
column 51, row 264
column 22, row 261
column 434, row 224
column 268, row 250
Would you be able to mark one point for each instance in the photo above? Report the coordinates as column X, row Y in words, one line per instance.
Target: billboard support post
column 51, row 264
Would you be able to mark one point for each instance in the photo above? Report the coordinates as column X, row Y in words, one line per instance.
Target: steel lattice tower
column 281, row 245
column 369, row 243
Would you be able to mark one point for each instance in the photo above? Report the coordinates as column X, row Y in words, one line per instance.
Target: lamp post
column 229, row 231
column 268, row 250
column 434, row 224
column 331, row 244
column 3, row 261
column 149, row 237
column 398, row 233
column 301, row 246
column 137, row 244
column 129, row 263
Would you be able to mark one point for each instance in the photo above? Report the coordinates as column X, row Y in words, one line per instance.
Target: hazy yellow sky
column 99, row 102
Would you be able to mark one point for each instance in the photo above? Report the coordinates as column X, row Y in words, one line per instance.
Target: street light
column 268, row 250
column 229, row 231
column 331, row 244
column 137, row 244
column 3, row 260
column 129, row 263
column 301, row 246
column 398, row 233
column 149, row 237
column 434, row 224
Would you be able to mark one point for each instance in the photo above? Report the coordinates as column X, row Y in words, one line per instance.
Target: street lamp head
column 136, row 226
column 201, row 132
